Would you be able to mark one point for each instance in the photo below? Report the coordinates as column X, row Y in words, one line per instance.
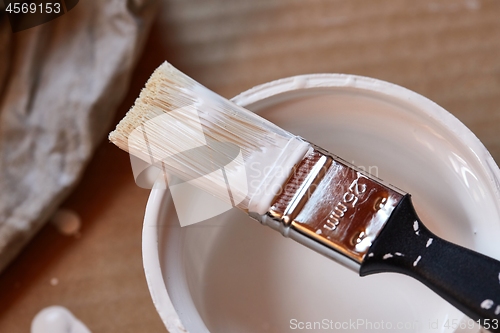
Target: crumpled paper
column 59, row 86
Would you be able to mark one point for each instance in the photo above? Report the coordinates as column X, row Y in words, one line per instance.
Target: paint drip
column 57, row 319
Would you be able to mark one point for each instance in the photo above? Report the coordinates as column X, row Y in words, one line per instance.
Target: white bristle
column 178, row 124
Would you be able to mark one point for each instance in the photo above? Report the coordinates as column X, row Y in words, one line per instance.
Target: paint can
column 230, row 274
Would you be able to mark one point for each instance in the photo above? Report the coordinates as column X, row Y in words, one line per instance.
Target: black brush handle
column 468, row 280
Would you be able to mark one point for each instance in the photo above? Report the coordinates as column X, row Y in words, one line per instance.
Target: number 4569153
column 25, row 8
column 486, row 323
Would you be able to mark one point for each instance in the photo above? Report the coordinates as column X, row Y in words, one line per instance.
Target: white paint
column 66, row 221
column 387, row 256
column 57, row 319
column 319, row 232
column 399, row 254
column 498, row 277
column 497, row 310
column 487, row 304
column 429, row 242
column 421, row 142
column 267, row 153
column 415, row 225
column 370, row 254
column 415, row 263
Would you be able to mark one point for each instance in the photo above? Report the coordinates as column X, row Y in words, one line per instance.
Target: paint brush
column 301, row 190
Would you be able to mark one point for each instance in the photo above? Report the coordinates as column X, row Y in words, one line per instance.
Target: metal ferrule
column 332, row 207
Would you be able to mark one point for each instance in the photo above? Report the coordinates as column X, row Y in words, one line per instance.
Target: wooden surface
column 448, row 51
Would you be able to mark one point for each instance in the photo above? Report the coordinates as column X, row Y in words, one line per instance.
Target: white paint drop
column 499, row 277
column 66, row 221
column 57, row 319
column 487, row 304
column 415, row 225
column 54, row 282
column 429, row 242
column 319, row 232
column 399, row 254
column 416, row 261
column 370, row 254
column 387, row 256
column 497, row 310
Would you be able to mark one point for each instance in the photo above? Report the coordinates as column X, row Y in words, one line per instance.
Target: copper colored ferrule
column 335, row 204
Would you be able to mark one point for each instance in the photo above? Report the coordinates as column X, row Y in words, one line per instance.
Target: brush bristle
column 147, row 105
column 178, row 124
